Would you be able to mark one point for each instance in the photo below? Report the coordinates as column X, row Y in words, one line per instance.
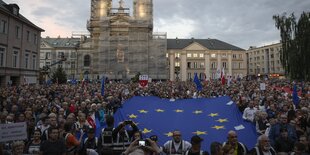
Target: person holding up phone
column 142, row 147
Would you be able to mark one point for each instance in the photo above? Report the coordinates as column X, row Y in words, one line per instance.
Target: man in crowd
column 232, row 139
column 177, row 145
column 262, row 147
column 54, row 145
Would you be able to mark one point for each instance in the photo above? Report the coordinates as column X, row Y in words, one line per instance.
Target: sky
column 242, row 23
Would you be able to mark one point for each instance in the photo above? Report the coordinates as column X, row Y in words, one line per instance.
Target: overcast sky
column 242, row 23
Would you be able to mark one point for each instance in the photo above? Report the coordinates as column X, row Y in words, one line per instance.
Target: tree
column 136, row 77
column 59, row 75
column 295, row 39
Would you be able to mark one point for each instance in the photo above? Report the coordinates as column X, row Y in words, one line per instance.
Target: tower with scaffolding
column 124, row 44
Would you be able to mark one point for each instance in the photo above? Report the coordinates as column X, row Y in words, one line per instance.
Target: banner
column 143, row 81
column 13, row 131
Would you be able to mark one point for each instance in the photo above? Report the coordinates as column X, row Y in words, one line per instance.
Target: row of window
column 190, row 76
column 29, row 59
column 18, row 32
column 235, row 65
column 201, row 55
column 258, row 70
column 257, row 52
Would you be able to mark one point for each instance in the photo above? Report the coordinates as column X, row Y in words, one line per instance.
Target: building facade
column 265, row 60
column 19, row 47
column 204, row 57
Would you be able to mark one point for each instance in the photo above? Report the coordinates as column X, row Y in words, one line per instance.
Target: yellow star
column 218, row 127
column 198, row 112
column 159, row 110
column 169, row 134
column 213, row 114
column 178, row 110
column 222, row 120
column 133, row 116
column 143, row 111
column 145, row 130
column 200, row 132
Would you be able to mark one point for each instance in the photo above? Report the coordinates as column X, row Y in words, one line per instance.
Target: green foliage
column 59, row 75
column 136, row 77
column 295, row 39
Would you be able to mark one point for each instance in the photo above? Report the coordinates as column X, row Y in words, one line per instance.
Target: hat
column 91, row 130
column 196, row 139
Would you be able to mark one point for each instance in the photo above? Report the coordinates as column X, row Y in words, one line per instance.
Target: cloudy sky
column 242, row 23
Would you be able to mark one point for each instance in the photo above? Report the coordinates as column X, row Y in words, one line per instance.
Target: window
column 189, row 65
column 167, row 55
column 201, row 55
column 263, row 57
column 26, row 60
column 213, row 55
column 224, row 55
column 3, row 26
column 224, row 65
column 86, row 61
column 73, row 55
column 202, row 64
column 240, row 56
column 234, row 56
column 28, row 36
column 195, row 65
column 73, row 65
column 2, row 56
column 240, row 65
column 61, row 54
column 189, row 76
column 15, row 59
column 234, row 65
column 213, row 64
column 195, row 55
column 48, row 55
column 35, row 39
column 189, row 55
column 177, row 64
column 17, row 31
column 34, row 61
column 177, row 55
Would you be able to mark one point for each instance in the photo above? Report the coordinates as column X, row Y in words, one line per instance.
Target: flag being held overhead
column 295, row 95
column 197, row 82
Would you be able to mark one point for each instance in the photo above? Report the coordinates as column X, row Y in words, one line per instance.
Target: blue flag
column 197, row 82
column 295, row 95
column 211, row 119
column 102, row 87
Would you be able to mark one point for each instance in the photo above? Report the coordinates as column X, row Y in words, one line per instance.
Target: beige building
column 265, row 60
column 204, row 56
column 19, row 47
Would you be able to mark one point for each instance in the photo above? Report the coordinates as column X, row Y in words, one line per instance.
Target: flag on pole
column 143, row 81
column 197, row 82
column 223, row 76
column 102, row 86
column 295, row 95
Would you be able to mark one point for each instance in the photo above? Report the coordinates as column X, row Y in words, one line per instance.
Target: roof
column 62, row 42
column 212, row 44
column 6, row 8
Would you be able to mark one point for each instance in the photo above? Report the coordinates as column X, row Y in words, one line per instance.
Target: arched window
column 86, row 61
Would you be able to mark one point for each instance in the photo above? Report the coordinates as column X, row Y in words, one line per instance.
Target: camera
column 141, row 142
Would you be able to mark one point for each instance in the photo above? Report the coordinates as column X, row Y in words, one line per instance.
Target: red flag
column 143, row 81
column 223, row 77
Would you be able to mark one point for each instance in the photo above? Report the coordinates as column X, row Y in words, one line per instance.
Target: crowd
column 56, row 113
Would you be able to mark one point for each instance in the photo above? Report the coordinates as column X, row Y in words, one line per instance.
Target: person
column 123, row 137
column 274, row 132
column 249, row 112
column 91, row 142
column 53, row 145
column 72, row 143
column 284, row 143
column 177, row 145
column 142, row 147
column 232, row 139
column 303, row 139
column 262, row 147
column 196, row 147
column 33, row 147
column 105, row 140
column 299, row 149
column 216, row 148
column 52, row 123
column 18, row 147
column 228, row 149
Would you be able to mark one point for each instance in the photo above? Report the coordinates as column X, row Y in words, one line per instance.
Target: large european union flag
column 209, row 118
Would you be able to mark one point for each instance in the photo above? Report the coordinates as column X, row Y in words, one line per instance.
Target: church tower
column 122, row 43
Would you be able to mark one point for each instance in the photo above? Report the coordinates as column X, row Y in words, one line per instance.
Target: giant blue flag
column 197, row 82
column 295, row 95
column 209, row 118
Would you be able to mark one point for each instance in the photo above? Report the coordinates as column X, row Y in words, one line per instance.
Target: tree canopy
column 295, row 39
column 59, row 76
